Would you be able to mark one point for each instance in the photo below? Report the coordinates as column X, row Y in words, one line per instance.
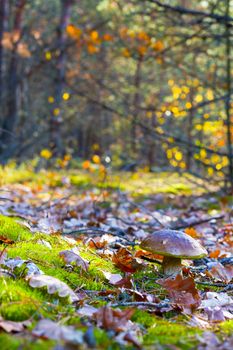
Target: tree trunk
column 228, row 100
column 56, row 120
column 11, row 116
column 2, row 22
column 136, row 98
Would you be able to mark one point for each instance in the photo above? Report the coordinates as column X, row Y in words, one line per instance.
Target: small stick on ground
column 141, row 303
column 196, row 223
column 210, row 284
column 95, row 231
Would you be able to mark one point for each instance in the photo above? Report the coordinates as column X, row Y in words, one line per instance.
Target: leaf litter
column 113, row 231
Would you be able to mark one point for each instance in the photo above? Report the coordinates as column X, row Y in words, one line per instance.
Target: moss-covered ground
column 19, row 301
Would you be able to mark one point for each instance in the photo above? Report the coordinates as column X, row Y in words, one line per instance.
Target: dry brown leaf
column 221, row 273
column 113, row 319
column 5, row 240
column 117, row 280
column 97, row 243
column 144, row 254
column 182, row 291
column 215, row 254
column 191, row 231
column 125, row 261
column 70, row 257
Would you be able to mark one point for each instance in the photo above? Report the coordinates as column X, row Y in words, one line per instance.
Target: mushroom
column 174, row 246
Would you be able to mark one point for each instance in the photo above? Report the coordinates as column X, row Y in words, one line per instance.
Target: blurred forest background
column 132, row 83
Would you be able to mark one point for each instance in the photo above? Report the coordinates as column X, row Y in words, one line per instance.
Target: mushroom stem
column 171, row 265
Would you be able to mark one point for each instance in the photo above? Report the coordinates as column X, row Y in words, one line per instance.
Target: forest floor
column 73, row 274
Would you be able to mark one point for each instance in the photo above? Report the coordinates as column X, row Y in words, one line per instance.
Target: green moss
column 49, row 261
column 16, row 342
column 12, row 230
column 9, row 342
column 227, row 327
column 170, row 333
column 81, row 180
column 97, row 264
column 144, row 318
column 17, row 300
column 105, row 340
column 146, row 278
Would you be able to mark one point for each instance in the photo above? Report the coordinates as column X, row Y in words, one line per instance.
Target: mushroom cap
column 173, row 243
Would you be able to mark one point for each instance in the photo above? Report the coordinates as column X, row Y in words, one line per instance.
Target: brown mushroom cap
column 173, row 243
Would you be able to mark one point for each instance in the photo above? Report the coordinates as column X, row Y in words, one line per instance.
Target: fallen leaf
column 117, row 280
column 87, row 310
column 2, row 256
column 192, row 232
column 53, row 285
column 182, row 291
column 215, row 254
column 218, row 306
column 213, row 299
column 125, row 261
column 97, row 243
column 209, row 341
column 30, row 267
column 148, row 255
column 11, row 326
column 113, row 319
column 221, row 273
column 198, row 321
column 72, row 256
column 112, row 278
column 5, row 240
column 51, row 330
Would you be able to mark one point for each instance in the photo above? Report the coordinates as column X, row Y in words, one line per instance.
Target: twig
column 146, row 211
column 49, row 205
column 151, row 260
column 199, row 222
column 226, row 261
column 97, row 231
column 141, row 303
column 210, row 284
column 227, row 288
column 6, row 273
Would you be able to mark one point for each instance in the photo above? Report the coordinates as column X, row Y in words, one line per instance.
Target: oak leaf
column 182, row 291
column 113, row 319
column 125, row 261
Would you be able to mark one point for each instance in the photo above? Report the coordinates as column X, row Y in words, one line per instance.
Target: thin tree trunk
column 189, row 151
column 56, row 120
column 11, row 116
column 228, row 100
column 136, row 98
column 2, row 22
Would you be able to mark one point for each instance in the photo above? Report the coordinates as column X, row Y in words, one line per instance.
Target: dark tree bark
column 2, row 22
column 56, row 120
column 136, row 100
column 228, row 100
column 11, row 116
